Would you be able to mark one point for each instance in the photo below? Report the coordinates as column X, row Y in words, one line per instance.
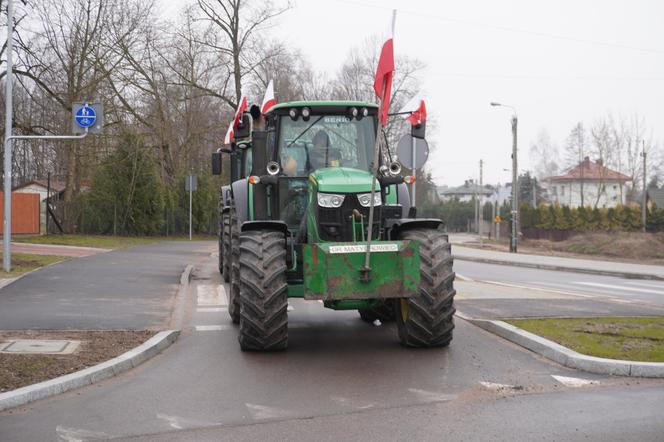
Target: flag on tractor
column 419, row 116
column 230, row 133
column 383, row 80
column 268, row 99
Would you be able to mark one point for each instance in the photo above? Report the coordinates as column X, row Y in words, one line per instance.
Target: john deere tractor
column 300, row 220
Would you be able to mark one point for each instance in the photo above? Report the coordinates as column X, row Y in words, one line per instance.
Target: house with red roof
column 590, row 183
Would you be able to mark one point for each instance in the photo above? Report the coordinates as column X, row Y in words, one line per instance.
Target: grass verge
column 628, row 338
column 105, row 241
column 26, row 262
column 19, row 370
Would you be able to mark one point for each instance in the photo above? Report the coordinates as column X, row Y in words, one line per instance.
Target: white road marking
column 290, row 308
column 211, row 309
column 620, row 287
column 646, row 284
column 209, row 295
column 496, row 387
column 260, row 412
column 347, row 402
column 461, row 277
column 212, row 327
column 180, row 423
column 78, row 435
column 574, row 382
column 544, row 289
column 432, row 396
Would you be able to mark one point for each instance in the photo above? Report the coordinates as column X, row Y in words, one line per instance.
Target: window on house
column 562, row 190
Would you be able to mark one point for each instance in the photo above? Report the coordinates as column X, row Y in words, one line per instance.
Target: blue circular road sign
column 86, row 117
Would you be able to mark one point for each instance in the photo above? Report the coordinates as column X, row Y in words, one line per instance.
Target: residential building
column 467, row 192
column 590, row 183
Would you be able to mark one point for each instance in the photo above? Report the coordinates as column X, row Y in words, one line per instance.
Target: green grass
column 104, row 241
column 629, row 338
column 25, row 262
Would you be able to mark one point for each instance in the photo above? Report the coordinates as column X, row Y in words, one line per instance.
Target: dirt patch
column 19, row 370
column 634, row 247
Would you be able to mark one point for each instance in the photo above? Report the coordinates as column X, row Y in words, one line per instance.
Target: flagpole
column 366, row 269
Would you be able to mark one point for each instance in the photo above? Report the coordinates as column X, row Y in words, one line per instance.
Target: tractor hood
column 341, row 180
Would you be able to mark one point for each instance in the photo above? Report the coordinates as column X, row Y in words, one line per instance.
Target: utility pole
column 515, row 184
column 480, row 209
column 515, row 189
column 7, row 228
column 644, row 198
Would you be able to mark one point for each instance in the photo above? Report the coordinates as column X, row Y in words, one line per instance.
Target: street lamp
column 515, row 191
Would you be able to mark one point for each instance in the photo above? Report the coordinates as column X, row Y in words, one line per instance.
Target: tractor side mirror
column 419, row 130
column 216, row 163
column 243, row 127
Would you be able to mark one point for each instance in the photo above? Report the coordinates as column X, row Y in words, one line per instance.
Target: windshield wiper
column 304, row 131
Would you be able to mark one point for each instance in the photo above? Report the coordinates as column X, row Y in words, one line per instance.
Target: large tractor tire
column 225, row 252
column 384, row 312
column 264, row 292
column 234, row 268
column 221, row 243
column 427, row 319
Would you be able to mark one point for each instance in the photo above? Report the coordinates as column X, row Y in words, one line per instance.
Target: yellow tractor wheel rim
column 404, row 309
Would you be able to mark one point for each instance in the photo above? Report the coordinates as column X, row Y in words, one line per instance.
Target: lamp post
column 515, row 190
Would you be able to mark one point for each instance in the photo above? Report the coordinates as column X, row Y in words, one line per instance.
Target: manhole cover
column 39, row 346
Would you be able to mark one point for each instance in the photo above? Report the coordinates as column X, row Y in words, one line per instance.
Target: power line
column 508, row 29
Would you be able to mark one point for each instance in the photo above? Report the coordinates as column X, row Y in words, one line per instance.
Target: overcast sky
column 557, row 62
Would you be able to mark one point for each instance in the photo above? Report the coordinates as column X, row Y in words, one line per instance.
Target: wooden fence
column 25, row 212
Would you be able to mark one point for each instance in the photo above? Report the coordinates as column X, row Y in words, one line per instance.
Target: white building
column 588, row 184
column 464, row 193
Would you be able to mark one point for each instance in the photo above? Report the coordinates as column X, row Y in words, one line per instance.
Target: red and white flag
column 268, row 99
column 230, row 133
column 383, row 80
column 415, row 111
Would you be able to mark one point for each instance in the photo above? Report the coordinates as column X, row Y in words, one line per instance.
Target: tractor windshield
column 325, row 141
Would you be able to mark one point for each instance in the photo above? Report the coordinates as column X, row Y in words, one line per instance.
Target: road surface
column 342, row 379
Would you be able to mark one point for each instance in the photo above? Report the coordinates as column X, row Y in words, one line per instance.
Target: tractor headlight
column 365, row 199
column 330, row 200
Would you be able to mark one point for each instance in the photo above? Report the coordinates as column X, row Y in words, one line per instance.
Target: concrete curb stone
column 565, row 356
column 91, row 375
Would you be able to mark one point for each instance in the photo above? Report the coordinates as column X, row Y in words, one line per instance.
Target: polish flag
column 268, row 99
column 383, row 80
column 415, row 111
column 230, row 133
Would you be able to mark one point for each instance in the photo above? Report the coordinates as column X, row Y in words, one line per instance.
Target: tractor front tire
column 427, row 319
column 221, row 243
column 264, row 291
column 384, row 312
column 234, row 267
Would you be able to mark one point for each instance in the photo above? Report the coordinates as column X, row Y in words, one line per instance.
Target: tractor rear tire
column 234, row 268
column 221, row 243
column 427, row 319
column 225, row 251
column 384, row 312
column 264, row 291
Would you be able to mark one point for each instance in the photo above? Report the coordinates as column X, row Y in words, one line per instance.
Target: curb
column 126, row 361
column 179, row 307
column 628, row 275
column 565, row 356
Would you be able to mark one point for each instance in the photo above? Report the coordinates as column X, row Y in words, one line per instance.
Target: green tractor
column 309, row 215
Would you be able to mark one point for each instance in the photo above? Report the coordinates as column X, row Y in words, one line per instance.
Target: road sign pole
column 191, row 188
column 7, row 221
column 412, row 186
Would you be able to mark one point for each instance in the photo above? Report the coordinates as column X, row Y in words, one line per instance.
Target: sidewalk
column 608, row 268
column 55, row 250
column 132, row 289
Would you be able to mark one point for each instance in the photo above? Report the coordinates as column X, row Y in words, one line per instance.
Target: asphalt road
column 593, row 286
column 342, row 379
column 124, row 289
